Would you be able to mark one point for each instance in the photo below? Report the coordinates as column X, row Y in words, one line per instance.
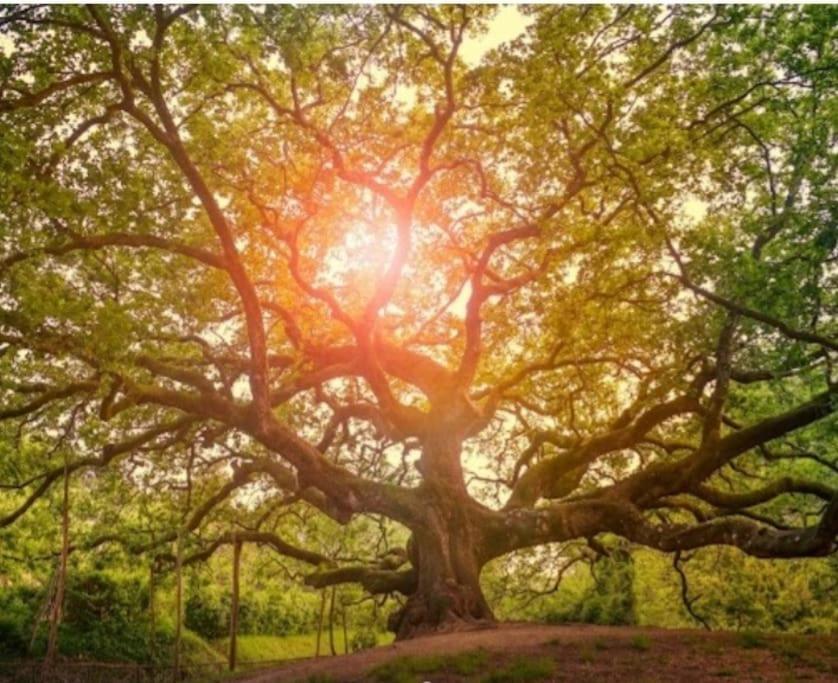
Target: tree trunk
column 234, row 607
column 152, row 616
column 178, row 603
column 445, row 550
column 58, row 600
column 320, row 622
column 448, row 596
column 345, row 634
column 332, row 623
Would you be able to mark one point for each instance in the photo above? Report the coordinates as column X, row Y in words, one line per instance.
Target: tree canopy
column 330, row 259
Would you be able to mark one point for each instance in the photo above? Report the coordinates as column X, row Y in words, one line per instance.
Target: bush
column 268, row 612
column 363, row 639
column 13, row 643
column 103, row 619
column 610, row 600
column 17, row 612
column 207, row 618
column 275, row 613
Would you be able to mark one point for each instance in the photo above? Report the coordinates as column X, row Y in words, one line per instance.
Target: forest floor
column 527, row 653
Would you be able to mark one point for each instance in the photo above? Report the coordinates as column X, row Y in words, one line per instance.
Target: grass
column 641, row 642
column 792, row 649
column 279, row 648
column 750, row 640
column 319, row 678
column 198, row 651
column 411, row 669
column 523, row 670
column 797, row 651
column 467, row 663
column 405, row 669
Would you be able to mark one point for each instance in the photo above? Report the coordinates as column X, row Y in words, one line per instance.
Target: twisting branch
column 168, row 135
column 740, row 309
column 109, row 453
column 373, row 580
column 686, row 600
column 723, row 499
column 117, row 239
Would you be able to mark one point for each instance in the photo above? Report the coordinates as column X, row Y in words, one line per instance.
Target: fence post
column 179, row 604
column 345, row 635
column 320, row 621
column 234, row 607
column 152, row 625
column 332, row 622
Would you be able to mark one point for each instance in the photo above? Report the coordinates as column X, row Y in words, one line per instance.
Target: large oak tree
column 557, row 290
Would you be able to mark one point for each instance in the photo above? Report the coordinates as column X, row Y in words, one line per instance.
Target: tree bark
column 178, row 603
column 445, row 549
column 234, row 607
column 448, row 596
column 345, row 634
column 152, row 617
column 58, row 601
column 320, row 622
column 332, row 622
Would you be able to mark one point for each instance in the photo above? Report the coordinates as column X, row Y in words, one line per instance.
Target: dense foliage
column 335, row 283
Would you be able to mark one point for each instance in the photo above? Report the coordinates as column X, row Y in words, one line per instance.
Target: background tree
column 584, row 285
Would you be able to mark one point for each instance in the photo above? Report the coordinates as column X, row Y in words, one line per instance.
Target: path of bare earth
column 585, row 653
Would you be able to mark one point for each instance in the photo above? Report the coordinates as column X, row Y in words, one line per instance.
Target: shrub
column 12, row 640
column 363, row 639
column 207, row 618
column 610, row 600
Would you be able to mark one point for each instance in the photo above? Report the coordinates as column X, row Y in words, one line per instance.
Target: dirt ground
column 580, row 654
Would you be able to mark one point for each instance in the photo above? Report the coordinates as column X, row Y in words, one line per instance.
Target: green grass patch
column 467, row 663
column 196, row 650
column 320, row 678
column 641, row 642
column 279, row 648
column 750, row 640
column 523, row 670
column 406, row 669
column 410, row 669
column 791, row 647
column 797, row 651
column 790, row 651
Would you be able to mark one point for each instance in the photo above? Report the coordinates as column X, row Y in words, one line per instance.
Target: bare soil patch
column 579, row 653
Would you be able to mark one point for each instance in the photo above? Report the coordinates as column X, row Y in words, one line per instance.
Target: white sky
column 506, row 25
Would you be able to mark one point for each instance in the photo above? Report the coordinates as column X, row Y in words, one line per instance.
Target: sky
column 506, row 25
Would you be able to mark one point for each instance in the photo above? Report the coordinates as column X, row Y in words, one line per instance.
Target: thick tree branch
column 373, row 580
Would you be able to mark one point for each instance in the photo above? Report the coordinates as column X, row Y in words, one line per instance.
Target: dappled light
column 318, row 322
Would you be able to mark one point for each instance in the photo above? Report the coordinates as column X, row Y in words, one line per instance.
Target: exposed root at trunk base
column 453, row 608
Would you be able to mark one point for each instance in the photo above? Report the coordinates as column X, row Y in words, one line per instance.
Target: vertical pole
column 234, row 609
column 332, row 623
column 345, row 636
column 320, row 621
column 152, row 617
column 58, row 600
column 179, row 602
